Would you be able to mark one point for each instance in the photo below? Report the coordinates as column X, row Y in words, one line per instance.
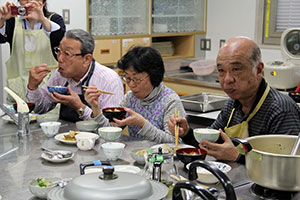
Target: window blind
column 288, row 14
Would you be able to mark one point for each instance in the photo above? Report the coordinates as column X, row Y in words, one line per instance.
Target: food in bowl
column 87, row 125
column 30, row 106
column 206, row 176
column 70, row 136
column 139, row 155
column 114, row 112
column 110, row 133
column 41, row 186
column 187, row 155
column 211, row 135
column 58, row 89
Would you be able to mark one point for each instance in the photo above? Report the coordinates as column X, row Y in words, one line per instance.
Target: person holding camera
column 32, row 33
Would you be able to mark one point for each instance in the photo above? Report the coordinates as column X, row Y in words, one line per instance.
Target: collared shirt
column 36, row 26
column 103, row 77
column 279, row 114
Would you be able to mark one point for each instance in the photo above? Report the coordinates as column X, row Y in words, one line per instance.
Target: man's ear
column 88, row 59
column 260, row 69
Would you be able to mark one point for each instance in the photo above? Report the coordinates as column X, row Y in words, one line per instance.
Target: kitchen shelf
column 176, row 21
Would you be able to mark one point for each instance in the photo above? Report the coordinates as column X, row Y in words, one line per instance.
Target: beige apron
column 241, row 130
column 29, row 48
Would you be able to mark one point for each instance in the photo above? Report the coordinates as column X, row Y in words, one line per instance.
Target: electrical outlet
column 222, row 42
column 205, row 44
column 66, row 15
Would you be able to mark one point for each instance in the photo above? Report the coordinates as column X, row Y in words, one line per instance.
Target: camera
column 21, row 10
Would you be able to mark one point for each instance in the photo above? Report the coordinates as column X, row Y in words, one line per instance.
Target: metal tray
column 203, row 102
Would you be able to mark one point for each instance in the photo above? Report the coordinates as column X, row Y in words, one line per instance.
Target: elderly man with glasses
column 76, row 69
column 149, row 103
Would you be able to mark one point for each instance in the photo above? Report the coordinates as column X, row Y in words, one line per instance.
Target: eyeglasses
column 134, row 80
column 58, row 51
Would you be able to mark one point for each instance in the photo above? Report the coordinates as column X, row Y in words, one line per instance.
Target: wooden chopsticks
column 49, row 66
column 102, row 91
column 176, row 115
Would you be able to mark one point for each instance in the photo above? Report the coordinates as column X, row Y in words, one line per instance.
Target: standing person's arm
column 7, row 23
column 57, row 34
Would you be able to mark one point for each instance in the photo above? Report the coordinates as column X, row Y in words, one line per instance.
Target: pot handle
column 192, row 174
column 206, row 194
column 245, row 144
column 82, row 166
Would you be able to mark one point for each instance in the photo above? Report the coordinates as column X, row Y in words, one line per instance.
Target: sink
column 191, row 76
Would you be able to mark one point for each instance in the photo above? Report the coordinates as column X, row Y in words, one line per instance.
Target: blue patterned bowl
column 58, row 89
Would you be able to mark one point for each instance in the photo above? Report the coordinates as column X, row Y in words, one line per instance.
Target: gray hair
column 86, row 39
column 255, row 58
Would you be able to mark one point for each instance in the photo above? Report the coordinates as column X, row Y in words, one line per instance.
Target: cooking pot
column 204, row 193
column 269, row 163
column 109, row 185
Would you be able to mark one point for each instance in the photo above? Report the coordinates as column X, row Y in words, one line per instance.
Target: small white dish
column 57, row 160
column 118, row 168
column 32, row 117
column 60, row 137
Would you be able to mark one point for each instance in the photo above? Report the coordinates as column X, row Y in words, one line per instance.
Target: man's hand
column 183, row 125
column 225, row 151
column 91, row 96
column 36, row 76
column 72, row 100
column 134, row 119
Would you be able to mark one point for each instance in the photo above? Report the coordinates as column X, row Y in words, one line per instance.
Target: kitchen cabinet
column 145, row 22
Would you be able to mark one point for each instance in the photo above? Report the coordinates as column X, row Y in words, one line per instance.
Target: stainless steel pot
column 269, row 163
column 109, row 185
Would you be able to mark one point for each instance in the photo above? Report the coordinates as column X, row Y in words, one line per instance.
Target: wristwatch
column 81, row 110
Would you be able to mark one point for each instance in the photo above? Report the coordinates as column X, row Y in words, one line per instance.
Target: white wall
column 230, row 18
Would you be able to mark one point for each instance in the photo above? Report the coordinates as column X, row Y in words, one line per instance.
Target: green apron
column 29, row 48
column 241, row 130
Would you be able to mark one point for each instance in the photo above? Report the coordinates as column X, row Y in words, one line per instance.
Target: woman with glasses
column 149, row 103
column 32, row 33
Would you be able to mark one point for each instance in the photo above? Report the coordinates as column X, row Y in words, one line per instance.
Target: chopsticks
column 49, row 66
column 102, row 91
column 176, row 115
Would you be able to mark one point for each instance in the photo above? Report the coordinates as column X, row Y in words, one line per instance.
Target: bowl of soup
column 114, row 112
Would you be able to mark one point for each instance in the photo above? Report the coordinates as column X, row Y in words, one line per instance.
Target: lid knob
column 108, row 173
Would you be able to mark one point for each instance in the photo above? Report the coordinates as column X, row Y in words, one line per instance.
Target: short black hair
column 144, row 59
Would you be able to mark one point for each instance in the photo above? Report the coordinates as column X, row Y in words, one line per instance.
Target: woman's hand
column 183, row 125
column 225, row 151
column 36, row 13
column 134, row 119
column 5, row 12
column 91, row 96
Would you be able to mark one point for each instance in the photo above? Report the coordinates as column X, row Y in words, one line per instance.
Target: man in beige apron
column 253, row 108
column 29, row 48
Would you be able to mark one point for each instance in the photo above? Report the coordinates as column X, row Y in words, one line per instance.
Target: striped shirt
column 103, row 77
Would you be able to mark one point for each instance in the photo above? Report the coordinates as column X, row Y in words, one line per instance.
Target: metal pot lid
column 125, row 186
column 159, row 191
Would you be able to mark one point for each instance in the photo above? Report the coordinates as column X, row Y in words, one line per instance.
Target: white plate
column 31, row 115
column 154, row 148
column 44, row 156
column 59, row 137
column 118, row 168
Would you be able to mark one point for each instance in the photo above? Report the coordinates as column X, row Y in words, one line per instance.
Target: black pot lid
column 126, row 186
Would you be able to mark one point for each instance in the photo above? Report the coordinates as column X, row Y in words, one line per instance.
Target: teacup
column 85, row 141
column 211, row 135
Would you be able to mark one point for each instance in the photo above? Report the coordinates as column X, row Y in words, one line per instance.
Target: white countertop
column 209, row 115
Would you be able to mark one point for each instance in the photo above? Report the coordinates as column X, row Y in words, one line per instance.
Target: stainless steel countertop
column 20, row 159
column 181, row 76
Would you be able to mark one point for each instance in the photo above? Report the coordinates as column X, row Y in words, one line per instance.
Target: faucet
column 22, row 121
